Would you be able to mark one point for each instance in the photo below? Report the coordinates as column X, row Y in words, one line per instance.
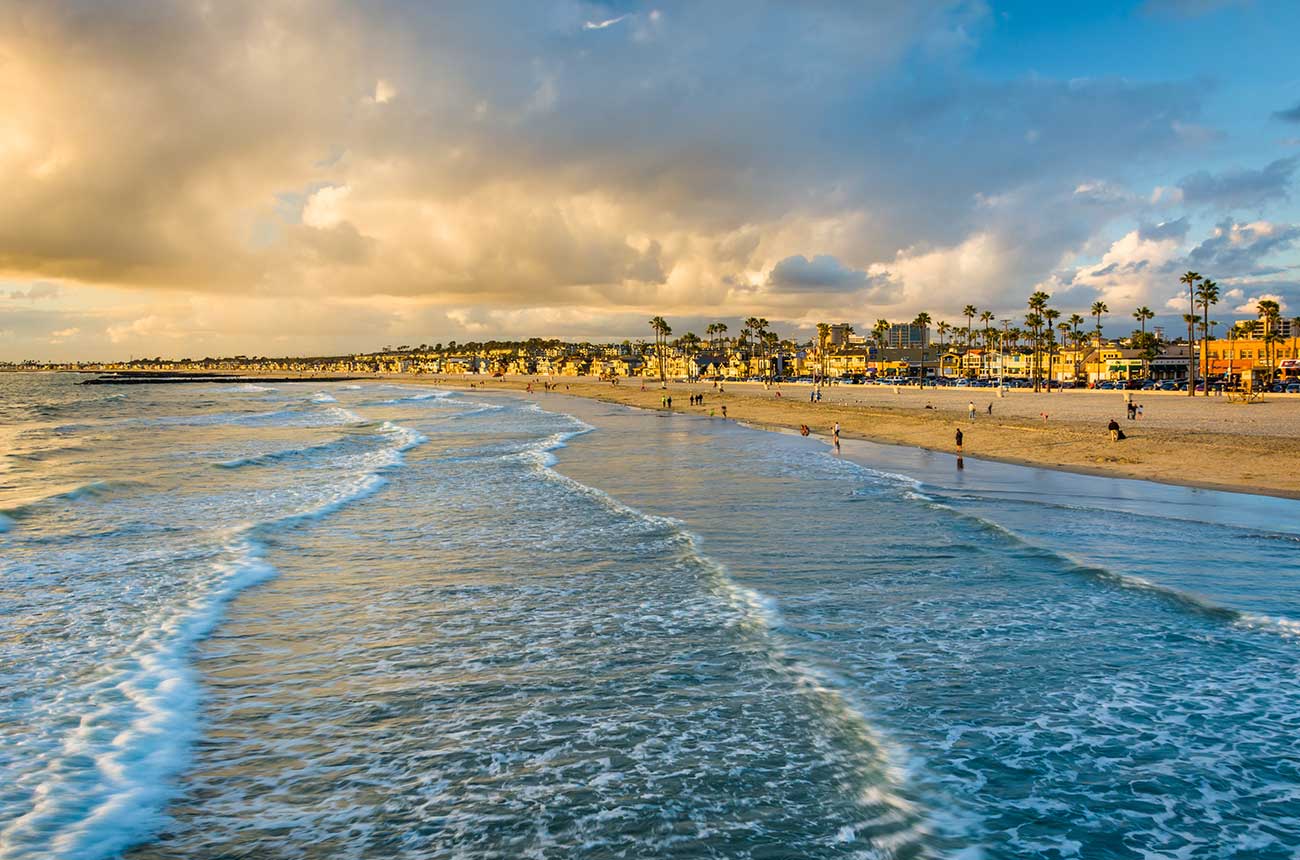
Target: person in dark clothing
column 1113, row 427
column 959, row 438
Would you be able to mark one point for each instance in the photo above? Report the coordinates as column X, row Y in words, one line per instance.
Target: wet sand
column 1197, row 442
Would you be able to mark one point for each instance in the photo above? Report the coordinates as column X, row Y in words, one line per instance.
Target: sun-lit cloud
column 328, row 177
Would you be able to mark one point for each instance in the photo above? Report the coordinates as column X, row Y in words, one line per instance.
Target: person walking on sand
column 1139, row 411
column 1113, row 427
column 990, row 410
column 724, row 411
column 970, row 410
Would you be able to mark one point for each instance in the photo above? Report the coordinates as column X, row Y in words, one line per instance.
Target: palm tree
column 1190, row 279
column 986, row 317
column 1270, row 313
column 823, row 335
column 942, row 328
column 1064, row 329
column 661, row 330
column 1037, row 304
column 771, row 344
column 760, row 334
column 1099, row 308
column 1077, row 339
column 880, row 331
column 969, row 313
column 1207, row 294
column 923, row 321
column 1143, row 314
column 1050, row 316
column 1235, row 331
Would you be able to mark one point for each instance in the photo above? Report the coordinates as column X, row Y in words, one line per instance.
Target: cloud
column 1288, row 115
column 239, row 157
column 1235, row 249
column 1251, row 305
column 601, row 25
column 822, row 272
column 36, row 292
column 1240, row 188
column 1176, row 229
column 384, row 92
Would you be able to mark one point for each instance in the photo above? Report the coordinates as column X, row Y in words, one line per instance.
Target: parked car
column 1293, row 388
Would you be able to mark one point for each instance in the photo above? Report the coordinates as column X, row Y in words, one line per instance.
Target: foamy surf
column 102, row 787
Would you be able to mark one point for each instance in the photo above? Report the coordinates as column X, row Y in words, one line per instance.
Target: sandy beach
column 1198, row 442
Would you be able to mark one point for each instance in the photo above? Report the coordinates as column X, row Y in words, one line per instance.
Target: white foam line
column 763, row 614
column 155, row 691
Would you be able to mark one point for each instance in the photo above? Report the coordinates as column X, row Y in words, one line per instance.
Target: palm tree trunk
column 1191, row 343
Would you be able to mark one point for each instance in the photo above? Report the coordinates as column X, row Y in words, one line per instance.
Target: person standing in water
column 835, row 436
column 959, row 440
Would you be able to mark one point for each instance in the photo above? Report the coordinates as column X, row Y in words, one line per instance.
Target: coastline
column 1254, row 464
column 1181, row 441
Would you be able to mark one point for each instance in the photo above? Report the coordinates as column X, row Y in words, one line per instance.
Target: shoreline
column 1059, row 446
column 1248, row 449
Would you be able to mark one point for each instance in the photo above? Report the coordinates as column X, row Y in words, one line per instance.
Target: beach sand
column 1198, row 442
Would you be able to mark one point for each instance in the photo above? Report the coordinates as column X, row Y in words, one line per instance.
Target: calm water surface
column 331, row 621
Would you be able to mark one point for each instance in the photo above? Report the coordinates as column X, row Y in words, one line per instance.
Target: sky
column 269, row 177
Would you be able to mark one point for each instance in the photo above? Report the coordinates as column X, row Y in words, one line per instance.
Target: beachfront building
column 1109, row 363
column 905, row 336
column 1252, row 359
column 852, row 361
column 1169, row 364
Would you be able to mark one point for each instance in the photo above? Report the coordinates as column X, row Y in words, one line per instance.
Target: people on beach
column 970, row 410
column 1131, row 410
column 1115, row 433
column 990, row 409
column 959, row 440
column 724, row 410
column 835, row 436
column 803, row 430
column 1139, row 411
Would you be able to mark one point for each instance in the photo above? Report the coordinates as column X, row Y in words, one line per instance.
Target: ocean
column 322, row 620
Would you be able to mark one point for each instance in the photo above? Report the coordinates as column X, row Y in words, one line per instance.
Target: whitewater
column 321, row 621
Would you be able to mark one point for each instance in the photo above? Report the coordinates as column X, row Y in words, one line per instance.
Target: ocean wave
column 136, row 735
column 269, row 457
column 897, row 824
column 1186, row 600
column 323, row 397
column 420, row 397
column 90, row 490
column 104, row 787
